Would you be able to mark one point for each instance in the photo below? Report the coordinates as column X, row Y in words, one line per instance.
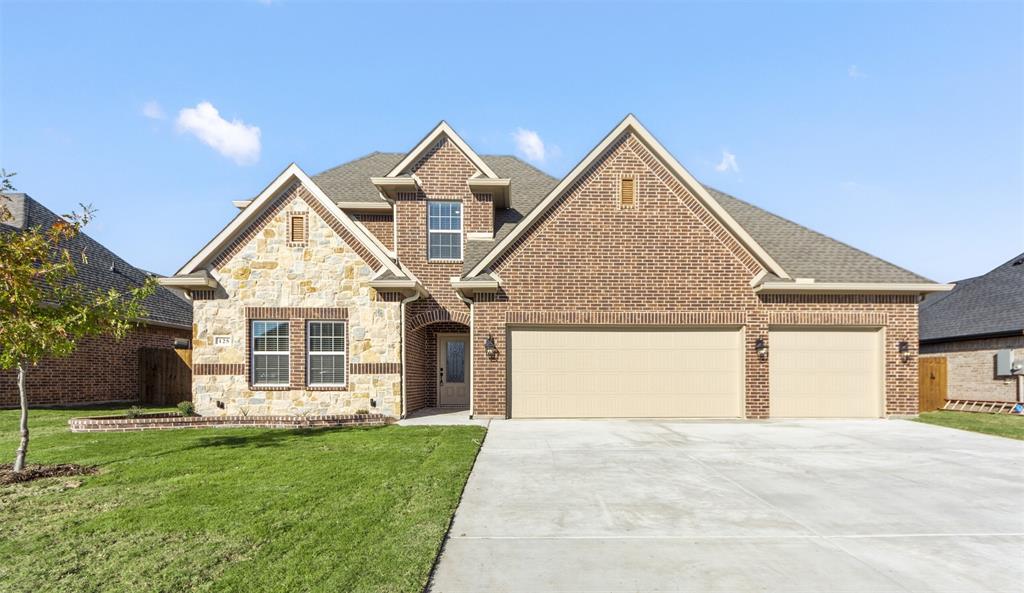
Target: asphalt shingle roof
column 803, row 253
column 104, row 269
column 988, row 304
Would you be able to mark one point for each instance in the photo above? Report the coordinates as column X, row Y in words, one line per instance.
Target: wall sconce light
column 904, row 350
column 490, row 348
column 761, row 347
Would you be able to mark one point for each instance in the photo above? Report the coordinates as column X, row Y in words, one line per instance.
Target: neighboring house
column 970, row 325
column 441, row 277
column 101, row 369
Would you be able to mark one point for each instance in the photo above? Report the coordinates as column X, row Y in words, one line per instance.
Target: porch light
column 490, row 348
column 904, row 350
column 761, row 348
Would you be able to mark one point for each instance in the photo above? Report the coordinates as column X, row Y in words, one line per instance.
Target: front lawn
column 230, row 509
column 1004, row 425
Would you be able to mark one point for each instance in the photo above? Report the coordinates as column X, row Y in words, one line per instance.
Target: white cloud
column 728, row 163
column 234, row 139
column 854, row 72
column 153, row 110
column 529, row 144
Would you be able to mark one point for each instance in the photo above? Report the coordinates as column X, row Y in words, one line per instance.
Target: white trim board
column 291, row 173
column 630, row 123
column 441, row 129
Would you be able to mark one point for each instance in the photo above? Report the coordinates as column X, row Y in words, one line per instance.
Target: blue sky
column 897, row 128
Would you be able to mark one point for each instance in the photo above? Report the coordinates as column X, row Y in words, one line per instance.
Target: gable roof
column 104, row 269
column 631, row 124
column 991, row 304
column 441, row 129
column 248, row 214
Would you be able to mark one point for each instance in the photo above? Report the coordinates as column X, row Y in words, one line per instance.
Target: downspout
column 402, row 345
column 472, row 345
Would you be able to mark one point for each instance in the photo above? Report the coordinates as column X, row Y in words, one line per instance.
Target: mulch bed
column 35, row 472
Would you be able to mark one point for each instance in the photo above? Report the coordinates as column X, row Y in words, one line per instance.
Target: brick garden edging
column 169, row 421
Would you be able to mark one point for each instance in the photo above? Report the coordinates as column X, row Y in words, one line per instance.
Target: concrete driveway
column 789, row 506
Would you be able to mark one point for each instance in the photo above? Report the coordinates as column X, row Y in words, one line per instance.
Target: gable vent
column 627, row 192
column 297, row 228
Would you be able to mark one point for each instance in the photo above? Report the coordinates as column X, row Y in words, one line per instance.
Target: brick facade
column 664, row 261
column 971, row 367
column 100, row 370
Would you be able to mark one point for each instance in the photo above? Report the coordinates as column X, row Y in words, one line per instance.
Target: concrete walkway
column 788, row 506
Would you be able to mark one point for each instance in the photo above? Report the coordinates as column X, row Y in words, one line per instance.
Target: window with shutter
column 627, row 192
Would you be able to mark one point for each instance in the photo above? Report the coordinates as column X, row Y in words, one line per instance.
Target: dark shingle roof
column 104, row 270
column 804, row 253
column 989, row 304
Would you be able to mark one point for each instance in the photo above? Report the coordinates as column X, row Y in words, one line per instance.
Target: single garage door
column 626, row 373
column 825, row 373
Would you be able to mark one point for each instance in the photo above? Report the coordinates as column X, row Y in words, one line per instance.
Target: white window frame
column 310, row 354
column 430, row 231
column 253, row 353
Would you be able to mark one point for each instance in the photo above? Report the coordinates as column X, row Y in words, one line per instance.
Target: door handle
column 440, row 375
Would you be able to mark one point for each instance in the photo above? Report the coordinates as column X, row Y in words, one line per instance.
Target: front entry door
column 453, row 370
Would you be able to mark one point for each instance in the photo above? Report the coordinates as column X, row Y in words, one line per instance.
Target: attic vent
column 297, row 229
column 627, row 192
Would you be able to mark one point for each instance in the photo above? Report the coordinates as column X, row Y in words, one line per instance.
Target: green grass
column 231, row 509
column 1004, row 425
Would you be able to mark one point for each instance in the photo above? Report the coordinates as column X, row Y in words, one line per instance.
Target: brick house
column 440, row 277
column 968, row 327
column 101, row 370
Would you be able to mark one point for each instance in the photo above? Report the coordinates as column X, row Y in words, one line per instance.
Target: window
column 627, row 192
column 326, row 353
column 270, row 353
column 297, row 228
column 444, row 224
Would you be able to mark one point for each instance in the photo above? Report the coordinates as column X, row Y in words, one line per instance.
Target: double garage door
column 573, row 372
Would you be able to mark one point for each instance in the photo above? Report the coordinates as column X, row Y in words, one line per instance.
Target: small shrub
column 186, row 409
column 362, row 412
column 134, row 412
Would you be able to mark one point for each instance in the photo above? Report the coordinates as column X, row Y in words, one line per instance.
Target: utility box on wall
column 1005, row 365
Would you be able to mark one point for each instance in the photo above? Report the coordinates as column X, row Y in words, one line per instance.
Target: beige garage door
column 625, row 373
column 825, row 373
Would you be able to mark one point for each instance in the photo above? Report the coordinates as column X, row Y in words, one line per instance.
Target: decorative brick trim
column 626, row 317
column 218, row 369
column 840, row 299
column 410, row 196
column 389, row 297
column 295, row 191
column 304, row 313
column 170, row 421
column 305, row 229
column 438, row 315
column 202, row 295
column 375, row 368
column 827, row 318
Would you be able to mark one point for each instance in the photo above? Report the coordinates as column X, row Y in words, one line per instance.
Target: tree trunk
column 19, row 461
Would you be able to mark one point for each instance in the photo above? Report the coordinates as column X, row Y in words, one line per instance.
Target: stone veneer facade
column 266, row 277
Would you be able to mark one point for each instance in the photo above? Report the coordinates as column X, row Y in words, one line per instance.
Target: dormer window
column 444, row 231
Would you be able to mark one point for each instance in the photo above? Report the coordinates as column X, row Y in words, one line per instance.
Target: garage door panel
column 626, row 373
column 825, row 373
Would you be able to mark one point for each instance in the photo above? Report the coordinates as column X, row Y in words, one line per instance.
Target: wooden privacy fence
column 165, row 375
column 931, row 385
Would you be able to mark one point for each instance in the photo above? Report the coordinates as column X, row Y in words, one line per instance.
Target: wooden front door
column 931, row 383
column 453, row 370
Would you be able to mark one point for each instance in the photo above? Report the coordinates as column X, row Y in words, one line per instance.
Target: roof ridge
column 356, row 159
column 818, row 233
column 512, row 156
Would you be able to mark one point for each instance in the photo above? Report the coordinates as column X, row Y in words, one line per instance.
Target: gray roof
column 804, row 253
column 985, row 305
column 104, row 269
